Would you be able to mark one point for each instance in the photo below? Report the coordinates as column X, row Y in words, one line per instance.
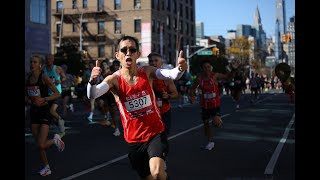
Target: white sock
column 91, row 114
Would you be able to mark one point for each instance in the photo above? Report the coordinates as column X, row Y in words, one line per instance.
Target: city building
column 280, row 30
column 162, row 26
column 291, row 42
column 37, row 29
column 199, row 32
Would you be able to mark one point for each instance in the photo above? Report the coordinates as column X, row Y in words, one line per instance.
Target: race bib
column 138, row 103
column 209, row 95
column 33, row 91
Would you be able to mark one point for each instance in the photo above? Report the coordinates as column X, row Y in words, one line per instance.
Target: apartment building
column 37, row 29
column 162, row 26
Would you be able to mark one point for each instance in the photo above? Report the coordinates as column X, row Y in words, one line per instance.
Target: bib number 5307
column 138, row 103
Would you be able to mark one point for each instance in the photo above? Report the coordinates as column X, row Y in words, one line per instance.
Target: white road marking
column 126, row 155
column 276, row 153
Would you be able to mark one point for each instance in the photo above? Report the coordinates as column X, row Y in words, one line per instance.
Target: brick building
column 161, row 26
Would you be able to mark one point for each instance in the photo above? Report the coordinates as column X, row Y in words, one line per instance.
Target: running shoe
column 71, row 107
column 117, row 132
column 90, row 119
column 210, row 146
column 58, row 142
column 45, row 171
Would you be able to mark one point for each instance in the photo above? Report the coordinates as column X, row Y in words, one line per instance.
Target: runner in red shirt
column 131, row 86
column 207, row 84
column 164, row 90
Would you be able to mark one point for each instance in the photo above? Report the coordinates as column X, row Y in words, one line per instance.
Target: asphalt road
column 255, row 142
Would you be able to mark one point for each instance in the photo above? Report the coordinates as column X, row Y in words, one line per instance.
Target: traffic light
column 284, row 38
column 215, row 51
column 289, row 37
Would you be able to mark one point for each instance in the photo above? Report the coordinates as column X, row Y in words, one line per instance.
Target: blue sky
column 219, row 16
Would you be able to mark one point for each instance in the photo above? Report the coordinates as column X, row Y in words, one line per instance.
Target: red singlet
column 140, row 116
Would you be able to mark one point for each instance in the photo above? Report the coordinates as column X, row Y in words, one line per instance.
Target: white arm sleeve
column 95, row 91
column 166, row 74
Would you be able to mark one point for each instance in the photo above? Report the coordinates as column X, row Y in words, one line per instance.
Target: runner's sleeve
column 95, row 91
column 166, row 74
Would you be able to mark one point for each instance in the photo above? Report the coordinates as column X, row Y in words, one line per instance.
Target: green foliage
column 69, row 55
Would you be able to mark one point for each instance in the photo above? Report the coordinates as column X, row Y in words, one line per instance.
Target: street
column 255, row 142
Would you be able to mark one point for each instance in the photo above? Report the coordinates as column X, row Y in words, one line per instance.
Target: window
column 158, row 27
column 162, row 5
column 153, row 25
column 163, row 27
column 58, row 29
column 137, row 4
column 38, row 11
column 187, row 12
column 117, row 26
column 101, row 51
column 84, row 26
column 84, row 4
column 74, row 27
column 168, row 22
column 59, row 6
column 137, row 25
column 174, row 6
column 100, row 27
column 168, row 4
column 192, row 30
column 74, row 4
column 187, row 28
column 117, row 4
column 181, row 10
column 100, row 5
column 181, row 26
column 155, row 4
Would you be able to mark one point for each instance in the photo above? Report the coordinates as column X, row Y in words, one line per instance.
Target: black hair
column 154, row 54
column 126, row 38
column 205, row 61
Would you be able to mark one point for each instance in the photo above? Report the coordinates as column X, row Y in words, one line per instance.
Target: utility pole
column 80, row 49
column 177, row 39
column 61, row 27
column 188, row 59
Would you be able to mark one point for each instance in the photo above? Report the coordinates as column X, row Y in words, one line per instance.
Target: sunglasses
column 131, row 50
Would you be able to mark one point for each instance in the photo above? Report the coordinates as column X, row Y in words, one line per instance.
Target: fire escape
column 84, row 36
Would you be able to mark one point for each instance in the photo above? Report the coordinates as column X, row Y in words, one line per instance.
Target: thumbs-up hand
column 182, row 63
column 96, row 71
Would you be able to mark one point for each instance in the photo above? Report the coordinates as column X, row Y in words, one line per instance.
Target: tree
column 68, row 54
column 240, row 49
column 218, row 63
